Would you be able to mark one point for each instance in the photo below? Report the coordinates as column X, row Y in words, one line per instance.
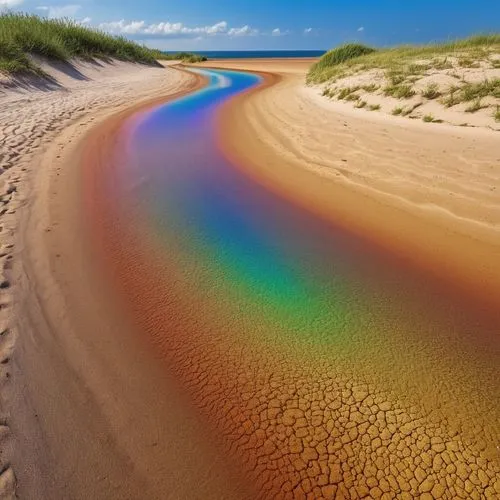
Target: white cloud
column 361, row 28
column 122, row 27
column 174, row 30
column 308, row 31
column 278, row 32
column 6, row 4
column 86, row 20
column 58, row 11
column 243, row 31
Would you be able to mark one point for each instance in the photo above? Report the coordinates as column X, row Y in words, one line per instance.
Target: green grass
column 451, row 99
column 430, row 119
column 324, row 69
column 411, row 109
column 352, row 97
column 468, row 63
column 370, row 88
column 399, row 91
column 397, row 111
column 22, row 35
column 475, row 106
column 496, row 114
column 361, row 104
column 186, row 57
column 352, row 58
column 347, row 93
column 431, row 91
column 471, row 91
column 374, row 107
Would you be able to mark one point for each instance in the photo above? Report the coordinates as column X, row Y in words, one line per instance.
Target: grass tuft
column 496, row 114
column 475, row 106
column 360, row 104
column 431, row 91
column 471, row 91
column 428, row 118
column 370, row 88
column 399, row 91
column 397, row 111
column 374, row 107
column 348, row 93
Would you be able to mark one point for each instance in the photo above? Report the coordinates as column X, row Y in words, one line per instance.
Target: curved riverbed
column 325, row 365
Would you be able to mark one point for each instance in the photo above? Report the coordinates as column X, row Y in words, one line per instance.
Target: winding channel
column 326, row 367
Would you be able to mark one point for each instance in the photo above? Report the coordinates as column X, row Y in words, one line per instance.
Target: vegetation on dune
column 352, row 71
column 401, row 60
column 23, row 35
column 322, row 70
column 187, row 57
column 496, row 114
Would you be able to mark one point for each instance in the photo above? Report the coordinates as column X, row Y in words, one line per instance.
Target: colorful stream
column 328, row 368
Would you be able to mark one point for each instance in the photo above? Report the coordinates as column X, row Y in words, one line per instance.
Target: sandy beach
column 81, row 416
column 89, row 409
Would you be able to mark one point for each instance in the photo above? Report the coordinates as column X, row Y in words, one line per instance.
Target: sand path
column 81, row 415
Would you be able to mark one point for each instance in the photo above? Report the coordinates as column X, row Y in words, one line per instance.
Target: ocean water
column 259, row 54
column 307, row 350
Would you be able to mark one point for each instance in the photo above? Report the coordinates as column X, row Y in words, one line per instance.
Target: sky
column 274, row 24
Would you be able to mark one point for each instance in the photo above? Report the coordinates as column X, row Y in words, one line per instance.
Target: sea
column 259, row 54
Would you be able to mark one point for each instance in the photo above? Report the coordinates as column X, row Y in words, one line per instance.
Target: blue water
column 258, row 54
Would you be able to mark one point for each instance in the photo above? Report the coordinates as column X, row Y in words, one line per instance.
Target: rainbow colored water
column 316, row 356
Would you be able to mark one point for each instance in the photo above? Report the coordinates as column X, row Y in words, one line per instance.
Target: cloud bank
column 174, row 30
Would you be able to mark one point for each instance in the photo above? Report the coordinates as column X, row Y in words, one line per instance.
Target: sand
column 81, row 414
column 442, row 181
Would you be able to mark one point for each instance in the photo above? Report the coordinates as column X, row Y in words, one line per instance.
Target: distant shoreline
column 259, row 54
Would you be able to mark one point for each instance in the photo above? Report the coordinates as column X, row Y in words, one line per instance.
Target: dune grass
column 23, row 35
column 401, row 62
column 416, row 74
column 325, row 68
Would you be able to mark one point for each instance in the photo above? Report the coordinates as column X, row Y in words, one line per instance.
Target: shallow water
column 313, row 353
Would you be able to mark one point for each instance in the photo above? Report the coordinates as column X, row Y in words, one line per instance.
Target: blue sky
column 275, row 24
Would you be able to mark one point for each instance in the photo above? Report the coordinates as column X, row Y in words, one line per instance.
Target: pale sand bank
column 81, row 416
